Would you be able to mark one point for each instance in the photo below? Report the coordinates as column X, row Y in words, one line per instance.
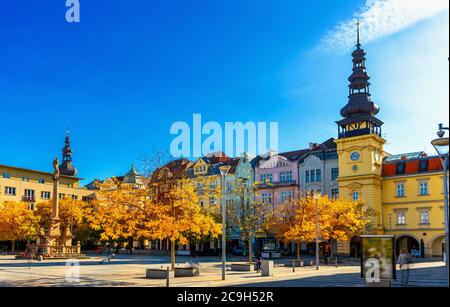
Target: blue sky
column 129, row 69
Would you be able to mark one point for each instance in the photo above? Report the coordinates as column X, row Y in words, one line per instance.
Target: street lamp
column 316, row 197
column 224, row 172
column 442, row 146
column 390, row 224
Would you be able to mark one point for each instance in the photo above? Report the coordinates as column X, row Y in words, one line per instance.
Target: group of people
column 34, row 252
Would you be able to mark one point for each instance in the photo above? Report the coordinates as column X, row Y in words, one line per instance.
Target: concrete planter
column 158, row 274
column 187, row 272
column 242, row 267
column 267, row 268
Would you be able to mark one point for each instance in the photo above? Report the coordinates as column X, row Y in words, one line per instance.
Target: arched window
column 355, row 196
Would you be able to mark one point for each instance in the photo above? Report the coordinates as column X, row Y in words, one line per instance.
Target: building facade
column 413, row 207
column 30, row 186
column 318, row 170
column 405, row 191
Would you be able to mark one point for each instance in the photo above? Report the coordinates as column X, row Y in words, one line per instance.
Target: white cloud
column 380, row 18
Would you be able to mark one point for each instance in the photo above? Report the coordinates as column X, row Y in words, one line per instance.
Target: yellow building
column 31, row 186
column 413, row 208
column 405, row 191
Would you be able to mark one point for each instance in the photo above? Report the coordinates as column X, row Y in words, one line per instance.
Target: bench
column 187, row 271
column 242, row 267
column 158, row 273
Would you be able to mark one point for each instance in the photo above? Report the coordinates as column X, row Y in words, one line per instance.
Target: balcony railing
column 29, row 198
column 277, row 184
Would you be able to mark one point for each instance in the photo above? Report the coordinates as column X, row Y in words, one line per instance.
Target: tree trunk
column 172, row 255
column 13, row 246
column 298, row 250
column 332, row 248
column 250, row 250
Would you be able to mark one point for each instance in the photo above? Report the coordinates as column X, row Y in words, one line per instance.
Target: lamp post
column 442, row 147
column 316, row 197
column 390, row 224
column 224, row 172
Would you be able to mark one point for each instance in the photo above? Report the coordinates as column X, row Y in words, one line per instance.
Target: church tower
column 66, row 168
column 360, row 143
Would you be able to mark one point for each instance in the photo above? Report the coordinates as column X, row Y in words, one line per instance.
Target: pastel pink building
column 278, row 176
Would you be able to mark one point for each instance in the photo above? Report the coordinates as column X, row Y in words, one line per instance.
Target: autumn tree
column 295, row 221
column 182, row 219
column 344, row 219
column 72, row 214
column 250, row 217
column 17, row 222
column 122, row 212
column 117, row 211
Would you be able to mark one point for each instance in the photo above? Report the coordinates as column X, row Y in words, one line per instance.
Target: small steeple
column 360, row 110
column 358, row 45
column 66, row 166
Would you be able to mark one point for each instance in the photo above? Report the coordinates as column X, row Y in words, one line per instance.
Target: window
column 267, row 198
column 6, row 176
column 400, row 168
column 212, row 200
column 423, row 188
column 401, row 218
column 86, row 199
column 318, row 175
column 423, row 166
column 283, row 196
column 286, row 176
column 45, row 195
column 334, row 193
column 28, row 194
column 42, row 181
column 200, row 201
column 334, row 173
column 62, row 196
column 307, row 176
column 213, row 185
column 266, row 178
column 313, row 176
column 74, row 197
column 355, row 196
column 10, row 191
column 264, row 197
column 25, row 178
column 401, row 190
column 425, row 217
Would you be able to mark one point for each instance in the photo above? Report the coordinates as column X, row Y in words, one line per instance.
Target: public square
column 129, row 271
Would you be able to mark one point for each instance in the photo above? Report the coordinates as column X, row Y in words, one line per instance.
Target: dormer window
column 400, row 169
column 423, row 166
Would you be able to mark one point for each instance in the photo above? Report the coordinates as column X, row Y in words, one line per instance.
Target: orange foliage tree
column 122, row 213
column 17, row 222
column 72, row 214
column 344, row 219
column 295, row 221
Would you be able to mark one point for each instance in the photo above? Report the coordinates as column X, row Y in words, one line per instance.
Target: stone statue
column 56, row 172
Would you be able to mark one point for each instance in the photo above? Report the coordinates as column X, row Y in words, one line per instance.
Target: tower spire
column 358, row 42
column 360, row 110
column 66, row 166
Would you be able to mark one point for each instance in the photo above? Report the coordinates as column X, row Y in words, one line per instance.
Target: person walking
column 259, row 261
column 404, row 260
column 326, row 254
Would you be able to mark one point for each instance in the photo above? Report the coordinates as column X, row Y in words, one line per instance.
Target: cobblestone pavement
column 129, row 271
